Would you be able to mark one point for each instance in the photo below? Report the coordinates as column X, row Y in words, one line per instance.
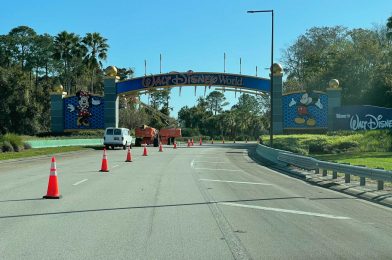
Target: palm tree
column 96, row 52
column 389, row 27
column 66, row 47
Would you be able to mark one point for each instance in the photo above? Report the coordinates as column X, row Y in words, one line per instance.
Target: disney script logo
column 372, row 122
column 190, row 79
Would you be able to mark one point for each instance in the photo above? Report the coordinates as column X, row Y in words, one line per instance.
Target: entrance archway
column 114, row 88
column 104, row 111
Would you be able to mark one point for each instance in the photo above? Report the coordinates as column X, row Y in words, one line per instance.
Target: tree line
column 31, row 64
column 247, row 119
column 361, row 59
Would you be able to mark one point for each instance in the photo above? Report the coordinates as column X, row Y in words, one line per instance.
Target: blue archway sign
column 193, row 79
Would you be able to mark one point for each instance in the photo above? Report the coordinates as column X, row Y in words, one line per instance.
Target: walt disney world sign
column 191, row 78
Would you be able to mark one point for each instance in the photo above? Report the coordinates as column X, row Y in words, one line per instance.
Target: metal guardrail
column 309, row 163
column 304, row 162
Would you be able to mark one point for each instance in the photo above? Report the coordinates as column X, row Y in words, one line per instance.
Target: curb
column 382, row 199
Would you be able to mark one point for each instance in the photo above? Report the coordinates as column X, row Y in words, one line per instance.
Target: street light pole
column 271, row 69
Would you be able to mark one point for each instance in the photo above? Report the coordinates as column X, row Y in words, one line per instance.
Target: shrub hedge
column 335, row 142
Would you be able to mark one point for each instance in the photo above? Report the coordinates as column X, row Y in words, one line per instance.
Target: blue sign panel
column 362, row 118
column 305, row 110
column 194, row 79
column 83, row 111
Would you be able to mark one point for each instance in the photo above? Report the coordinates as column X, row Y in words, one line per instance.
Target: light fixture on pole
column 271, row 67
column 160, row 63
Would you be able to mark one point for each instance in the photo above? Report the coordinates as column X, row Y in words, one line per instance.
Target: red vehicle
column 168, row 135
column 146, row 135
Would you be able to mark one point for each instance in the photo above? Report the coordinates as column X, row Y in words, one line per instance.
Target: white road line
column 240, row 182
column 115, row 166
column 246, row 157
column 212, row 169
column 79, row 182
column 284, row 210
column 212, row 157
column 208, row 162
column 193, row 161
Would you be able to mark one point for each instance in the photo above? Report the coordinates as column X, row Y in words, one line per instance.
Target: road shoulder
column 369, row 193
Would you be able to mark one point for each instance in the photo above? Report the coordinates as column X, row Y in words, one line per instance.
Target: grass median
column 42, row 151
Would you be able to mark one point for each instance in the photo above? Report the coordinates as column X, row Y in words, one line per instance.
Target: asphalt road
column 203, row 202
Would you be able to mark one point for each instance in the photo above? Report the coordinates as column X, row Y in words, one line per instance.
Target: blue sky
column 191, row 34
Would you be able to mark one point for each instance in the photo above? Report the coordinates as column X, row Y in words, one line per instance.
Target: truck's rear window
column 117, row 131
column 109, row 131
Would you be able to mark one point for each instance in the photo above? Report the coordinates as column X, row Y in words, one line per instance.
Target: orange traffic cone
column 53, row 186
column 160, row 147
column 129, row 155
column 104, row 165
column 192, row 142
column 175, row 145
column 145, row 151
column 200, row 142
column 189, row 143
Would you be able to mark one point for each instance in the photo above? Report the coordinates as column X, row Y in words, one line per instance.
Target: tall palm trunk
column 92, row 80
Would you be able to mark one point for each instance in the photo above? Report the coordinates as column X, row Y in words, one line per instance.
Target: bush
column 74, row 134
column 189, row 132
column 243, row 138
column 7, row 147
column 376, row 141
column 18, row 148
column 347, row 145
column 317, row 146
column 89, row 133
column 15, row 141
column 27, row 146
column 291, row 146
column 206, row 138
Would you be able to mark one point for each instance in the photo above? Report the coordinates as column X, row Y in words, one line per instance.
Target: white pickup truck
column 117, row 137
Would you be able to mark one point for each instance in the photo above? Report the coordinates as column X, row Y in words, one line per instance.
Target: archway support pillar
column 111, row 109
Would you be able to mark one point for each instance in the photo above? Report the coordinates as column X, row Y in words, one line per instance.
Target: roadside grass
column 334, row 142
column 368, row 159
column 372, row 148
column 42, row 151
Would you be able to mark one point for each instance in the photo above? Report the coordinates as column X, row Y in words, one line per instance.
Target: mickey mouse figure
column 85, row 101
column 303, row 115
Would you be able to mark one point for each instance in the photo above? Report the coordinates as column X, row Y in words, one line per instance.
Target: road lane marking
column 211, row 157
column 115, row 166
column 213, row 169
column 208, row 162
column 314, row 214
column 240, row 182
column 246, row 157
column 79, row 182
